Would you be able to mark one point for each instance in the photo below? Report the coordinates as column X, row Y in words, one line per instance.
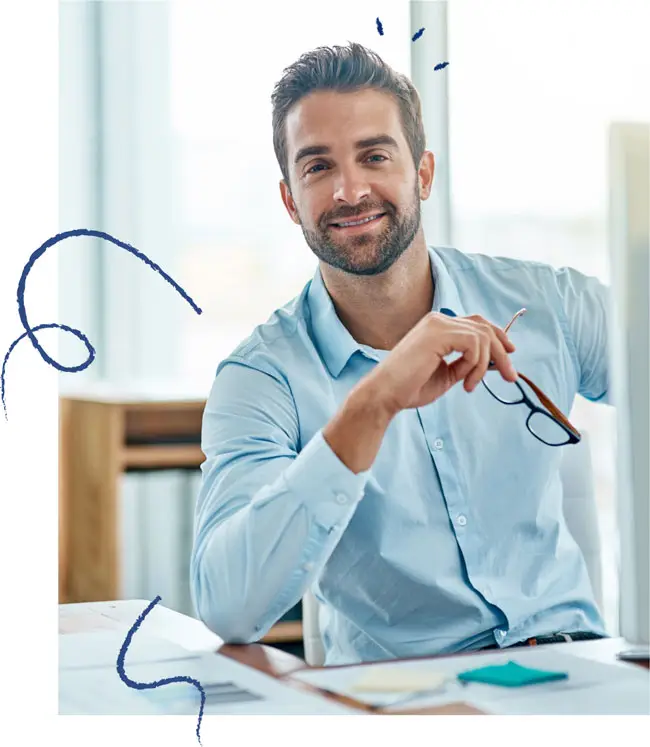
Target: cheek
column 308, row 211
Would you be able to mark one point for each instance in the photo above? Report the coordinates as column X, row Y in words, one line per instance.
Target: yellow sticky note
column 391, row 680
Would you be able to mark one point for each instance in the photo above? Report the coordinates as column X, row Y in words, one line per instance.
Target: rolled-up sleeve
column 584, row 303
column 269, row 513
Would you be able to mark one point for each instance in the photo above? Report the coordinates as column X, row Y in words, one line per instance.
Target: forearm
column 254, row 559
column 356, row 432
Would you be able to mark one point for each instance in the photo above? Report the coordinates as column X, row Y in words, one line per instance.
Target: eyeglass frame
column 551, row 411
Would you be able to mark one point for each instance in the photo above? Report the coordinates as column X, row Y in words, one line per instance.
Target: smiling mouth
column 353, row 223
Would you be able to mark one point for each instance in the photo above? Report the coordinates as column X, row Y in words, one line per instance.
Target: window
column 238, row 250
column 532, row 88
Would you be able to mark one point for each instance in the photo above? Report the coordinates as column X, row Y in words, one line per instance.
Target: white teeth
column 360, row 222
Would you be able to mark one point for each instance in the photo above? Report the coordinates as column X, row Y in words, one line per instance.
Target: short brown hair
column 344, row 69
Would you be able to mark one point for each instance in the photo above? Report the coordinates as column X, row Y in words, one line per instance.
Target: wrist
column 369, row 397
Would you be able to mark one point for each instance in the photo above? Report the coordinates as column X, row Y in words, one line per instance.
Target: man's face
column 336, row 177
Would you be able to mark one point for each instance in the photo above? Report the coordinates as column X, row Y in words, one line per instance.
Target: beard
column 371, row 253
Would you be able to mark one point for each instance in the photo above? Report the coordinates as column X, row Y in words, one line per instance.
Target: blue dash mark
column 157, row 683
column 29, row 331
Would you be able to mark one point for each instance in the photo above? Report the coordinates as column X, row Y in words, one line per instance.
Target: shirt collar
column 333, row 341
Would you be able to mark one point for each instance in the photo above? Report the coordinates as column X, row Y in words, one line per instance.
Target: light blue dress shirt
column 455, row 538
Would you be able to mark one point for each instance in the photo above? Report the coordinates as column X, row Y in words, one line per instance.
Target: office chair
column 581, row 516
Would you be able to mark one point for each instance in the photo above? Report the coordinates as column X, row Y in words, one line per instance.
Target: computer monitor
column 629, row 247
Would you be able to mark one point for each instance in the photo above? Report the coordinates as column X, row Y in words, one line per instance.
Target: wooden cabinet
column 103, row 435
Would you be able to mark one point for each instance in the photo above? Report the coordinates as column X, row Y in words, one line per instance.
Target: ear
column 287, row 199
column 425, row 174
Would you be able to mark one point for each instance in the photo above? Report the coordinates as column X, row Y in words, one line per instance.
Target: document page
column 90, row 684
column 101, row 648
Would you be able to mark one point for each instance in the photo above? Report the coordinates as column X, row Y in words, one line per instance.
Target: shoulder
column 268, row 346
column 482, row 275
column 459, row 263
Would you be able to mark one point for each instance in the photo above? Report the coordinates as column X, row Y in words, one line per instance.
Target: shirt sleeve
column 268, row 514
column 584, row 302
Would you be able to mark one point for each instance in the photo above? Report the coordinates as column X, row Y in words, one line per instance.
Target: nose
column 351, row 185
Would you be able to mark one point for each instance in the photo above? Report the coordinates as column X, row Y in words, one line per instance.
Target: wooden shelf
column 289, row 631
column 162, row 456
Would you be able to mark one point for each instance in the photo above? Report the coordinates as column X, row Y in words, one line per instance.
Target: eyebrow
column 319, row 150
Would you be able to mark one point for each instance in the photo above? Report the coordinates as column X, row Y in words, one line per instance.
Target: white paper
column 592, row 687
column 100, row 690
column 101, row 648
column 160, row 622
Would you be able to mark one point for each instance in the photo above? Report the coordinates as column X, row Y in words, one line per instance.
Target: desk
column 195, row 636
column 104, row 432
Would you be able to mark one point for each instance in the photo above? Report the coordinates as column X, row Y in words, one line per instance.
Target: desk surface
column 195, row 636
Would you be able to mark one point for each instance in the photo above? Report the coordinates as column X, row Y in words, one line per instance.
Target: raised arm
column 271, row 511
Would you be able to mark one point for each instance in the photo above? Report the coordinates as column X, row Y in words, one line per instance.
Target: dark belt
column 556, row 638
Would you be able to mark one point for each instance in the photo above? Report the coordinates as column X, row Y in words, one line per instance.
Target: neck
column 380, row 310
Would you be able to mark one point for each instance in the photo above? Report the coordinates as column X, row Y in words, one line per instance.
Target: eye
column 310, row 171
column 378, row 155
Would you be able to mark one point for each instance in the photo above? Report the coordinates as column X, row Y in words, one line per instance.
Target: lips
column 336, row 224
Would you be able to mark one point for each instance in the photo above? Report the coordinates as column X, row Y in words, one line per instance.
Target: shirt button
column 462, row 520
column 308, row 566
column 438, row 444
column 341, row 499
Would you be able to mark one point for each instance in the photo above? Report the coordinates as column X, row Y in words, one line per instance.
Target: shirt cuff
column 320, row 480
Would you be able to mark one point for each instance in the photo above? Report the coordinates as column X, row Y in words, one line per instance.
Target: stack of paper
column 89, row 682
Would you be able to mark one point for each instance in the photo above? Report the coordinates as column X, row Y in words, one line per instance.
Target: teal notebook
column 510, row 675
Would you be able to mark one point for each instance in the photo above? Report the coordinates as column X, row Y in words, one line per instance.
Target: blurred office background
column 165, row 132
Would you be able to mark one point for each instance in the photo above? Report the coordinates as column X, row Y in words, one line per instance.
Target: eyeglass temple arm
column 542, row 397
column 548, row 404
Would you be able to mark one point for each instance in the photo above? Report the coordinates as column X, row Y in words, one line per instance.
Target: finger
column 461, row 367
column 478, row 372
column 455, row 336
column 467, row 343
column 500, row 360
column 500, row 348
column 500, row 333
column 503, row 338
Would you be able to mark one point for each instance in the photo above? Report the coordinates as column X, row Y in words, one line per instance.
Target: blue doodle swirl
column 380, row 28
column 157, row 683
column 29, row 331
column 418, row 34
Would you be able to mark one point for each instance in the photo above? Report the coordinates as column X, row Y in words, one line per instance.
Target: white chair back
column 581, row 510
column 581, row 518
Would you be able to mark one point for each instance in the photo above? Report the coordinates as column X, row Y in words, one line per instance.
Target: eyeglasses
column 547, row 423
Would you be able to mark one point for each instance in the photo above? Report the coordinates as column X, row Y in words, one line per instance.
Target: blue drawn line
column 418, row 34
column 440, row 65
column 157, row 683
column 380, row 28
column 29, row 331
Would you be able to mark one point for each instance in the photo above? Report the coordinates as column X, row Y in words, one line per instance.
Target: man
column 344, row 455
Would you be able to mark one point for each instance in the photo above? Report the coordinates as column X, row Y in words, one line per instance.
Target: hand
column 416, row 374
